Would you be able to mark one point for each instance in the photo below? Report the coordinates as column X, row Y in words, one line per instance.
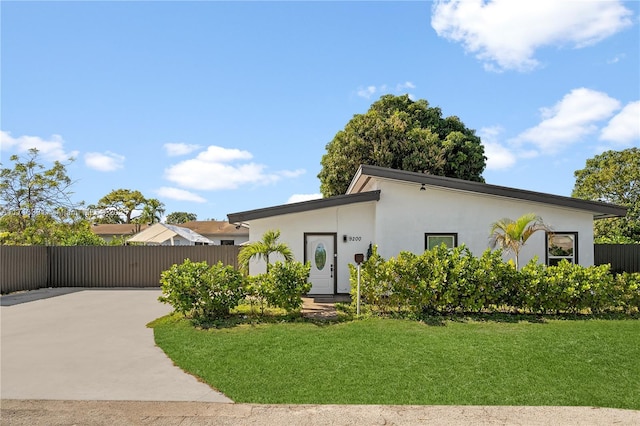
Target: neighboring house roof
column 160, row 232
column 366, row 173
column 356, row 193
column 215, row 227
column 304, row 206
column 111, row 229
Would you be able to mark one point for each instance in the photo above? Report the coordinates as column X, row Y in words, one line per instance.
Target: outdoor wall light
column 344, row 238
column 422, row 188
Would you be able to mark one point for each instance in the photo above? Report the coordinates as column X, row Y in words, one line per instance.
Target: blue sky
column 220, row 107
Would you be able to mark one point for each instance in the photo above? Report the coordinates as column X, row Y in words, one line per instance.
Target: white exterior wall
column 353, row 220
column 405, row 214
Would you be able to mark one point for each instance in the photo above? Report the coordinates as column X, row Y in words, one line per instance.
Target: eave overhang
column 304, row 206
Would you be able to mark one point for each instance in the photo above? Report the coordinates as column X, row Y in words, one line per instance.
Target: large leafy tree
column 510, row 235
column 402, row 134
column 613, row 177
column 118, row 206
column 263, row 249
column 37, row 208
column 180, row 217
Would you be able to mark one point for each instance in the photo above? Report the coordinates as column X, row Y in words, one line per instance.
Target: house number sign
column 351, row 238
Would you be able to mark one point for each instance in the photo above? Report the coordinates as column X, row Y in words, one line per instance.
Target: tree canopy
column 37, row 208
column 613, row 177
column 402, row 134
column 180, row 217
column 119, row 206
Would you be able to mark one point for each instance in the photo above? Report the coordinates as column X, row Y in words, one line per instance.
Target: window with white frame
column 433, row 240
column 562, row 245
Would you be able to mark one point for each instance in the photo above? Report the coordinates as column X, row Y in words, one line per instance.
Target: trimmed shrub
column 281, row 287
column 449, row 280
column 201, row 292
column 180, row 285
column 287, row 282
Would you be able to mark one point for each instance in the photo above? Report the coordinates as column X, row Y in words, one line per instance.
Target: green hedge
column 205, row 293
column 445, row 280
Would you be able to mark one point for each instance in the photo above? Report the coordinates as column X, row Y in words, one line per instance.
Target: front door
column 320, row 251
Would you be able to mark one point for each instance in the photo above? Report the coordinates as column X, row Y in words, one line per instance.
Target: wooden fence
column 622, row 257
column 33, row 267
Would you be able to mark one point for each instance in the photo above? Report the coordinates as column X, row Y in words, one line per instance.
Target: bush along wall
column 445, row 280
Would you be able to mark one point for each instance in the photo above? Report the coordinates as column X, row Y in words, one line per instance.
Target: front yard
column 588, row 362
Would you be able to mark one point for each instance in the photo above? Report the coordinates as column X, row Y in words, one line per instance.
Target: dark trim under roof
column 599, row 209
column 339, row 200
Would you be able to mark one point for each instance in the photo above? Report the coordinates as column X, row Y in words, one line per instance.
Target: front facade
column 405, row 211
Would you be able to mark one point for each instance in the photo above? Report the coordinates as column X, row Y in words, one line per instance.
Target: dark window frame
column 440, row 234
column 575, row 246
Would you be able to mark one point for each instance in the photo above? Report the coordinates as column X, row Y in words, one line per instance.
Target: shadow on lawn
column 430, row 319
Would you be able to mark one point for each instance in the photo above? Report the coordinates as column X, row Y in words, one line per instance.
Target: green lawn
column 385, row 361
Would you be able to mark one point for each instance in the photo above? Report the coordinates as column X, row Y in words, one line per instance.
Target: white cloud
column 367, row 92
column 51, row 149
column 568, row 121
column 220, row 168
column 179, row 194
column 292, row 173
column 223, row 155
column 176, row 149
column 104, row 162
column 624, row 128
column 499, row 157
column 505, row 34
column 370, row 91
column 297, row 198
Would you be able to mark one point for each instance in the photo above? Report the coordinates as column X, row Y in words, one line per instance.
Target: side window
column 432, row 240
column 227, row 242
column 562, row 245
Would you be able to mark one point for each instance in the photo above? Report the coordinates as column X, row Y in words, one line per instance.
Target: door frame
column 335, row 254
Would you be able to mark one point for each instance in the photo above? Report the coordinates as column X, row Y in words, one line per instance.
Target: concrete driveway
column 93, row 344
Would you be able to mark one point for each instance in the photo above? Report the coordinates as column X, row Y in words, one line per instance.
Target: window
column 562, row 245
column 227, row 242
column 434, row 240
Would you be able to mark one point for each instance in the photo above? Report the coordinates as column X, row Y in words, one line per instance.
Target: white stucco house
column 406, row 211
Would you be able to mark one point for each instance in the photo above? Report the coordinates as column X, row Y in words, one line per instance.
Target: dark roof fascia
column 602, row 209
column 304, row 206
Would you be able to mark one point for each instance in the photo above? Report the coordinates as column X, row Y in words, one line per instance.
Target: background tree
column 402, row 134
column 32, row 198
column 511, row 235
column 177, row 218
column 151, row 212
column 263, row 249
column 37, row 208
column 613, row 177
column 118, row 206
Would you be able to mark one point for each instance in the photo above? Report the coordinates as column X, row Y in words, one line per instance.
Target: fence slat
column 622, row 257
column 33, row 267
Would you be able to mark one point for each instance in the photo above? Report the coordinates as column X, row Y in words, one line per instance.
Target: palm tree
column 151, row 212
column 512, row 235
column 263, row 249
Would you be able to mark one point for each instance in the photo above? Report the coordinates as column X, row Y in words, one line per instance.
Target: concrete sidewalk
column 67, row 344
column 107, row 413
